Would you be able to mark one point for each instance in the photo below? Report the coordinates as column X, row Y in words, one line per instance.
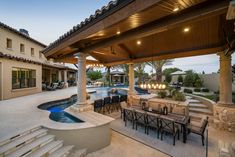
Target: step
column 46, row 149
column 197, row 117
column 79, row 153
column 19, row 133
column 201, row 111
column 193, row 101
column 7, row 148
column 198, row 105
column 32, row 146
column 63, row 151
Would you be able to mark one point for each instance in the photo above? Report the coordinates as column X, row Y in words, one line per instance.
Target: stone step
column 19, row 142
column 61, row 152
column 198, row 105
column 79, row 153
column 46, row 149
column 19, row 133
column 201, row 111
column 32, row 146
column 193, row 101
column 197, row 117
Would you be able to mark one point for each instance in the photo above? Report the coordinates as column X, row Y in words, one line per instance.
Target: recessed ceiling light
column 176, row 9
column 186, row 29
column 118, row 32
column 138, row 42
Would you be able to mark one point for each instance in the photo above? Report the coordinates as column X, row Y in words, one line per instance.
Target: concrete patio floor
column 123, row 146
column 21, row 113
column 193, row 147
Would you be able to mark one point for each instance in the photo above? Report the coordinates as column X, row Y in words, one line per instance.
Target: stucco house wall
column 8, row 92
column 6, row 64
column 211, row 81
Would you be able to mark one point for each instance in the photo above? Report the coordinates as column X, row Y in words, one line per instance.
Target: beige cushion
column 179, row 110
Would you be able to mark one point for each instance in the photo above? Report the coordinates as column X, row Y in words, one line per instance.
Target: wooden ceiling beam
column 209, row 8
column 170, row 55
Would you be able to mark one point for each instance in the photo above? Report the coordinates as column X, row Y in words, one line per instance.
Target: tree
column 192, row 79
column 167, row 72
column 139, row 68
column 197, row 81
column 189, row 79
column 157, row 65
column 94, row 75
column 180, row 79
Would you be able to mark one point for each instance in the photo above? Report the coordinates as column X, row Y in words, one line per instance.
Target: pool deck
column 20, row 114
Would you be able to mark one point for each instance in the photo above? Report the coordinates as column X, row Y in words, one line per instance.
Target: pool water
column 57, row 107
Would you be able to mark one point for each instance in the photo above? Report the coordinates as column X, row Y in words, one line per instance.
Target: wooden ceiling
column 159, row 29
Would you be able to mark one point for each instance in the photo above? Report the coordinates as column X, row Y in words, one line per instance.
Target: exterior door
column 1, row 75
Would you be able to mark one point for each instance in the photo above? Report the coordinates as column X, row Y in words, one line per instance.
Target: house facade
column 23, row 67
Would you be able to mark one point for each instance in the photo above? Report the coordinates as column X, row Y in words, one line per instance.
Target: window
column 32, row 52
column 9, row 43
column 40, row 54
column 21, row 47
column 23, row 78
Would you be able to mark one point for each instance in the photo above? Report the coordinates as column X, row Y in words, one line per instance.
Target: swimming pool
column 57, row 107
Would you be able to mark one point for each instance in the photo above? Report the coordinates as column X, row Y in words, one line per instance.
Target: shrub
column 180, row 79
column 197, row 90
column 188, row 91
column 205, row 90
column 178, row 96
column 162, row 94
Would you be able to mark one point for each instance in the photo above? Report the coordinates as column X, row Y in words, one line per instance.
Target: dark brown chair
column 152, row 121
column 199, row 129
column 140, row 119
column 129, row 116
column 168, row 125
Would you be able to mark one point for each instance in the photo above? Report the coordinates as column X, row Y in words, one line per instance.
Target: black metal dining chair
column 98, row 105
column 169, row 126
column 129, row 116
column 199, row 130
column 123, row 98
column 115, row 103
column 152, row 121
column 140, row 119
column 107, row 104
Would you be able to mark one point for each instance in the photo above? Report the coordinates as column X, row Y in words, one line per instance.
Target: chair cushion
column 195, row 129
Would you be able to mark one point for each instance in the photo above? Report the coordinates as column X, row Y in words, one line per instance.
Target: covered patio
column 135, row 31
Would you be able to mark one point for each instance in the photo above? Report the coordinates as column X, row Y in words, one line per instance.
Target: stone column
column 65, row 79
column 131, row 80
column 50, row 76
column 225, row 79
column 59, row 76
column 81, row 79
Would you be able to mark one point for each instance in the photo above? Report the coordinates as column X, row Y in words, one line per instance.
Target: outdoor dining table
column 179, row 119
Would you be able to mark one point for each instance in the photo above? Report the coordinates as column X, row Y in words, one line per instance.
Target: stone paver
column 122, row 146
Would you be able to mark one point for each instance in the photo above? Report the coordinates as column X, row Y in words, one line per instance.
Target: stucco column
column 50, row 76
column 131, row 79
column 59, row 76
column 81, row 79
column 65, row 79
column 225, row 79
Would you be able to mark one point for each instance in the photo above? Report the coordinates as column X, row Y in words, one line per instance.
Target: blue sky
column 46, row 20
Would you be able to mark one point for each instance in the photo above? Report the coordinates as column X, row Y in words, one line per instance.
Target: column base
column 66, row 85
column 82, row 108
column 224, row 116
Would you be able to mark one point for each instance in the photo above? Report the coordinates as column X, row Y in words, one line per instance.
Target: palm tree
column 157, row 65
column 139, row 67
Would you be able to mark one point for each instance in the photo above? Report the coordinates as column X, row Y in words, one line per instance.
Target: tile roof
column 21, row 34
column 33, row 61
column 99, row 15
